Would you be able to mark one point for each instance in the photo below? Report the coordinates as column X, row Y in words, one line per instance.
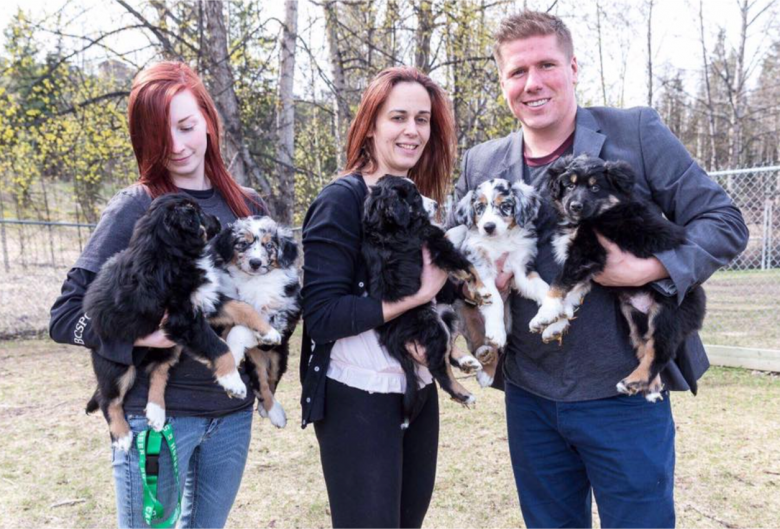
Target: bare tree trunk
column 286, row 115
column 601, row 54
column 713, row 162
column 242, row 166
column 738, row 98
column 422, row 54
column 650, row 53
column 343, row 113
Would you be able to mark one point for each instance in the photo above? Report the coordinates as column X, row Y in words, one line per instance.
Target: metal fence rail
column 743, row 298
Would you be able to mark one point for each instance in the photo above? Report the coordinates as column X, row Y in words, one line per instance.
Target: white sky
column 676, row 43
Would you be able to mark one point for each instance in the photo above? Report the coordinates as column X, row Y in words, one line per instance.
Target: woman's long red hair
column 150, row 133
column 433, row 171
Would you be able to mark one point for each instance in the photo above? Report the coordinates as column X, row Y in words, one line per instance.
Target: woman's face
column 188, row 132
column 402, row 129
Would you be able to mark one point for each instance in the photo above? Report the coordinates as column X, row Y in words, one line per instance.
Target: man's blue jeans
column 212, row 454
column 621, row 448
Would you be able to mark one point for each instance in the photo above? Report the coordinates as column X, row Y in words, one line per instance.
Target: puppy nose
column 255, row 263
column 576, row 207
column 490, row 227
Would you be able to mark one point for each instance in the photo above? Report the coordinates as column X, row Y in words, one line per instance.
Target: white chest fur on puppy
column 499, row 218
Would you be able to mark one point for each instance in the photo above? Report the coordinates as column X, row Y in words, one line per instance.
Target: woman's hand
column 432, row 279
column 417, row 352
column 158, row 339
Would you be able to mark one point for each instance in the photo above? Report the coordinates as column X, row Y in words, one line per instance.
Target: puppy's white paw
column 468, row 363
column 622, row 388
column 470, row 400
column 405, row 424
column 233, row 385
column 124, row 443
column 277, row 415
column 555, row 331
column 551, row 310
column 654, row 396
column 484, row 379
column 271, row 338
column 155, row 416
column 486, row 354
column 495, row 334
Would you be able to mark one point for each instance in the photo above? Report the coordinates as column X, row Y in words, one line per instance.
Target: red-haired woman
column 175, row 132
column 377, row 474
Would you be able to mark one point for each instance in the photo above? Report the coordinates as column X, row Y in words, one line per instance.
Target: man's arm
column 715, row 229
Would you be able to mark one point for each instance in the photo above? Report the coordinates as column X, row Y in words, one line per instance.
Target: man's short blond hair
column 531, row 24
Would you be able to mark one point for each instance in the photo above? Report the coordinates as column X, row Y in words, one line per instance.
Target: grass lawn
column 55, row 462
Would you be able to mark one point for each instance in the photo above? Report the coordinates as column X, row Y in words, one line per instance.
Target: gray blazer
column 668, row 176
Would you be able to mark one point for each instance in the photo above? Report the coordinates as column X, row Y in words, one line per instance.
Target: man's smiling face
column 538, row 79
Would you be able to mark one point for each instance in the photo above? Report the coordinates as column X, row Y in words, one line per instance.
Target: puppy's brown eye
column 595, row 189
column 570, row 186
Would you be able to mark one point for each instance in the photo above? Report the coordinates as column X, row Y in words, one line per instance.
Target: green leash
column 149, row 443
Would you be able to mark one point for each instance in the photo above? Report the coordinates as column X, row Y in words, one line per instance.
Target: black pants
column 377, row 474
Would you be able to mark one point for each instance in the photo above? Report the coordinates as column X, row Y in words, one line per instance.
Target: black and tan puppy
column 395, row 228
column 162, row 271
column 592, row 196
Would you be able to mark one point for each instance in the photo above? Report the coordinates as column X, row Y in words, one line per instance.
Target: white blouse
column 361, row 362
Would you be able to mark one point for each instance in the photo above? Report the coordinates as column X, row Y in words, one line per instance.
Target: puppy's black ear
column 463, row 213
column 223, row 245
column 555, row 175
column 398, row 211
column 372, row 209
column 182, row 219
column 620, row 175
column 287, row 249
column 527, row 203
column 213, row 226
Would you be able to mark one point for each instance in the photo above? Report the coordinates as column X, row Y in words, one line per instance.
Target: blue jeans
column 621, row 448
column 212, row 454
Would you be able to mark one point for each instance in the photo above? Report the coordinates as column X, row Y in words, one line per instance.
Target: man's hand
column 624, row 269
column 418, row 352
column 503, row 278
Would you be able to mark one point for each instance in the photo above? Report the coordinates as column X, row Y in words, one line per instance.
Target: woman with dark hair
column 377, row 474
column 175, row 132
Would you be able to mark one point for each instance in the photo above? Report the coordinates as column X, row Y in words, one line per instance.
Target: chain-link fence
column 36, row 256
column 743, row 298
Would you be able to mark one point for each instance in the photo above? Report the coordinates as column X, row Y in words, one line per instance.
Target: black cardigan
column 335, row 280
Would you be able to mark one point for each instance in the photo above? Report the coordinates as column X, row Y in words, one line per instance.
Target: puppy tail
column 410, row 395
column 94, row 403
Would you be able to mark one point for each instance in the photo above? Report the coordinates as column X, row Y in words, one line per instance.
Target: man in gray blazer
column 570, row 432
